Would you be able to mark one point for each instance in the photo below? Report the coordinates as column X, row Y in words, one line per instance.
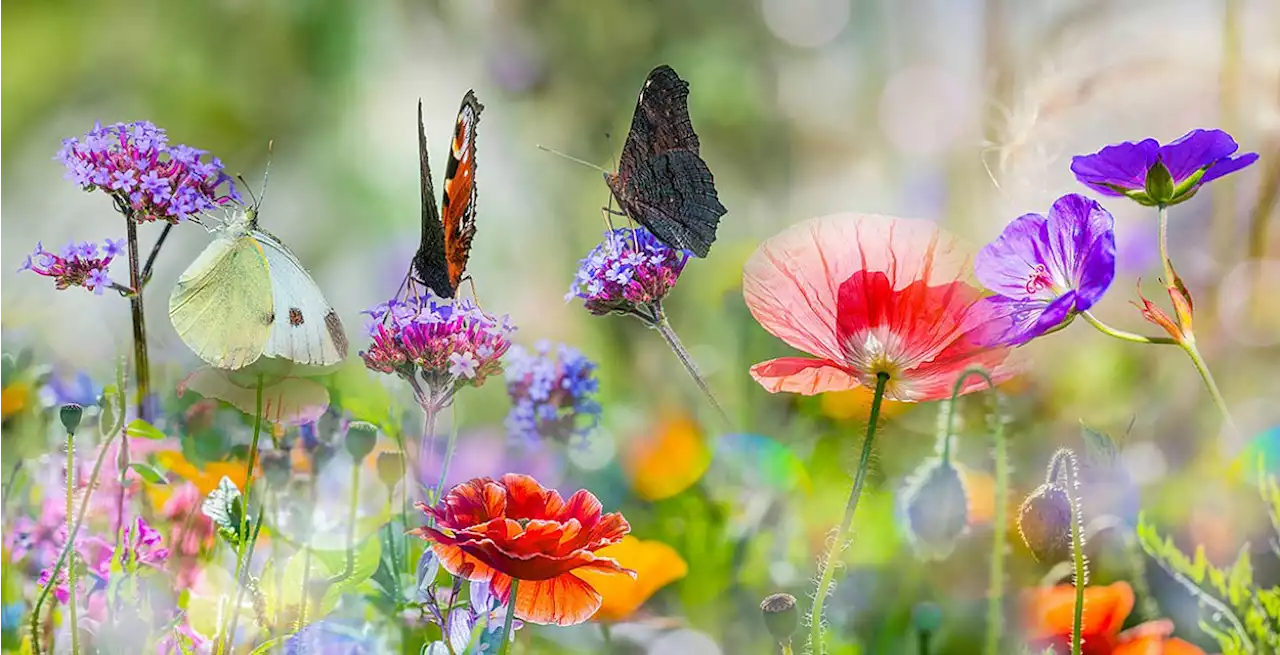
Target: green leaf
column 143, row 430
column 149, row 473
column 108, row 418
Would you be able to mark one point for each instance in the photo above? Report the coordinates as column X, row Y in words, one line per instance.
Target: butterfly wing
column 662, row 182
column 306, row 329
column 222, row 305
column 429, row 264
column 459, row 204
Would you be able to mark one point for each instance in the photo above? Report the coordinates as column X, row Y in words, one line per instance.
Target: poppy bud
column 1044, row 521
column 276, row 468
column 926, row 617
column 361, row 437
column 935, row 509
column 780, row 616
column 389, row 464
column 70, row 415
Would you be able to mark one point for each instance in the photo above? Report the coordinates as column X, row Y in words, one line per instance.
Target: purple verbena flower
column 112, row 248
column 552, row 393
column 1152, row 174
column 134, row 163
column 447, row 345
column 1045, row 270
column 77, row 266
column 630, row 269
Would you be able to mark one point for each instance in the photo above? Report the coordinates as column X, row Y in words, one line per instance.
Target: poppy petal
column 1050, row 612
column 802, row 375
column 563, row 600
column 791, row 282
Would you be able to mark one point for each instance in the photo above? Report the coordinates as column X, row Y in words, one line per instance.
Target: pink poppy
column 867, row 295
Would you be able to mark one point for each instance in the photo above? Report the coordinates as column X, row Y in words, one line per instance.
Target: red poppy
column 868, row 295
column 1049, row 613
column 496, row 530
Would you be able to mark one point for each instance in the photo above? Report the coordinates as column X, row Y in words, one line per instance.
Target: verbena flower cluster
column 135, row 164
column 552, row 393
column 449, row 344
column 631, row 267
column 79, row 265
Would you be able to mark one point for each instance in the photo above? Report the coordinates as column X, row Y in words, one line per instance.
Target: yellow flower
column 14, row 398
column 205, row 477
column 656, row 565
column 669, row 461
column 855, row 405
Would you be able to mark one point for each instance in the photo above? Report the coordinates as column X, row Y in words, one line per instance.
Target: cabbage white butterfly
column 247, row 296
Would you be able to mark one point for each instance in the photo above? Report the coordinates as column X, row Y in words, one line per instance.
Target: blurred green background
column 964, row 112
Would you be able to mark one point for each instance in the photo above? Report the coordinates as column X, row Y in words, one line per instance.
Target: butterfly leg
column 475, row 296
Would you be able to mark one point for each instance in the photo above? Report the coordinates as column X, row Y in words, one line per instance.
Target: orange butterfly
column 441, row 260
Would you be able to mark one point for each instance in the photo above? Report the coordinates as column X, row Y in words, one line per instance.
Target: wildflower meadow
column 894, row 327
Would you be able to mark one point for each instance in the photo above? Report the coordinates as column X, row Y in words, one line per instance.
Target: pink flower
column 868, row 295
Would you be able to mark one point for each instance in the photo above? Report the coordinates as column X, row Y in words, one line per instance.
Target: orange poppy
column 656, row 565
column 499, row 530
column 1048, row 614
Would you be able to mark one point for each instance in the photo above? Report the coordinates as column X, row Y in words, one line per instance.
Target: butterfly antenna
column 266, row 169
column 248, row 189
column 574, row 159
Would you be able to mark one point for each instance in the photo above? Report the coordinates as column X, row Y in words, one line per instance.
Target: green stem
column 1165, row 263
column 351, row 524
column 71, row 567
column 448, row 453
column 786, row 649
column 1201, row 367
column 1123, row 335
column 842, row 532
column 658, row 321
column 511, row 615
column 1079, row 573
column 244, row 549
column 142, row 367
column 71, row 540
column 313, row 496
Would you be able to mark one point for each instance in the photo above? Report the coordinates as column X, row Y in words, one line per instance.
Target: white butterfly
column 247, row 296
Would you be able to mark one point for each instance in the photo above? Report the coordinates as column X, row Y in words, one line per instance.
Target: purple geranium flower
column 1047, row 269
column 1153, row 174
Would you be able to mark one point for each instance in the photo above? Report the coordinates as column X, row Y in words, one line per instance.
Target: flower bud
column 277, row 467
column 361, row 436
column 70, row 415
column 926, row 617
column 1044, row 521
column 389, row 465
column 936, row 509
column 780, row 616
column 1159, row 184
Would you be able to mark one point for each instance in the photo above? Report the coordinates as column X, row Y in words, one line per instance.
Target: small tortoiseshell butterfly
column 441, row 260
column 662, row 183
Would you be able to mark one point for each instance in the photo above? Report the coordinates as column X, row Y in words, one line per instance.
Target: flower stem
column 155, row 252
column 1201, row 367
column 1121, row 334
column 352, row 512
column 842, row 532
column 142, row 367
column 511, row 615
column 448, row 453
column 71, row 540
column 1071, row 471
column 663, row 327
column 245, row 549
column 71, row 567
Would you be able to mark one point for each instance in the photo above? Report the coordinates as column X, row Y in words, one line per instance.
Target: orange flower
column 496, row 530
column 656, row 565
column 669, row 461
column 1050, row 611
column 13, row 398
column 205, row 477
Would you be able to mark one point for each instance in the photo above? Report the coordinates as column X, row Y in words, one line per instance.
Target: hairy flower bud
column 389, row 467
column 935, row 508
column 1044, row 521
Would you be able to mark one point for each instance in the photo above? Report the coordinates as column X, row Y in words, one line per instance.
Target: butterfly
column 662, row 183
column 225, row 507
column 441, row 260
column 247, row 296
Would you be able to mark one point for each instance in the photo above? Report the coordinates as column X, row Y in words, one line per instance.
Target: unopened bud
column 926, row 617
column 70, row 415
column 1044, row 521
column 389, row 467
column 780, row 616
column 936, row 509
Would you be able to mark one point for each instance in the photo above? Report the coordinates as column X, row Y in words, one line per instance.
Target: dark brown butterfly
column 662, row 183
column 441, row 260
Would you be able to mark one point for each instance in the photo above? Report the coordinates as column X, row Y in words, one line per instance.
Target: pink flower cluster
column 136, row 165
column 142, row 546
column 451, row 345
column 79, row 265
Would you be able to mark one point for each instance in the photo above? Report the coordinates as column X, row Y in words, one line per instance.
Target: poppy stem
column 511, row 615
column 243, row 553
column 71, row 567
column 71, row 538
column 1071, row 472
column 842, row 532
column 1123, row 335
column 659, row 322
